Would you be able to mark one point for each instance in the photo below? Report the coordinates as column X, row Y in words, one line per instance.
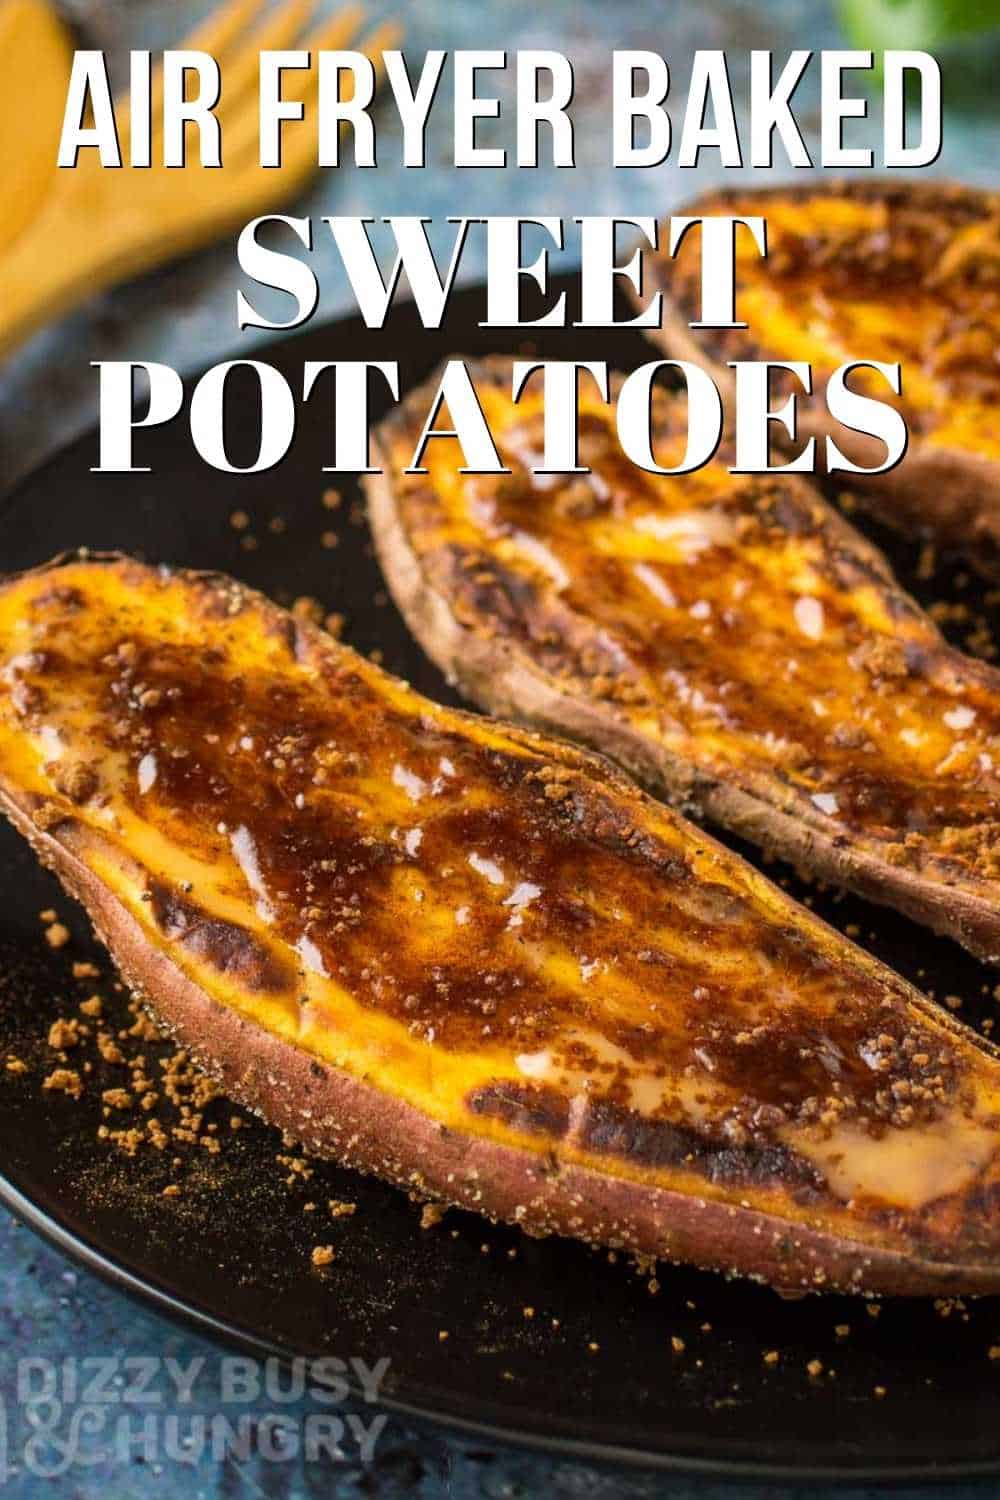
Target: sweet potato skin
column 503, row 671
column 345, row 1119
column 946, row 488
column 501, row 1171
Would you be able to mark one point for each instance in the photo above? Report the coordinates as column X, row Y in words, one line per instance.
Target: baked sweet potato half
column 727, row 638
column 480, row 963
column 884, row 270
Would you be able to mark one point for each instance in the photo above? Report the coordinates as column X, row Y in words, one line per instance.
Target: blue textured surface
column 185, row 315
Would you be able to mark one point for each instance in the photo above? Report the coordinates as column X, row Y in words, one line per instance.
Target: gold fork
column 99, row 226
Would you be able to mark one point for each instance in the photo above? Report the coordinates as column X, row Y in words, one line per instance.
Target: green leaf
column 919, row 24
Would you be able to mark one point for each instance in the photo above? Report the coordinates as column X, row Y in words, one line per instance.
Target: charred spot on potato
column 523, row 1107
column 229, row 948
column 78, row 782
column 612, row 1130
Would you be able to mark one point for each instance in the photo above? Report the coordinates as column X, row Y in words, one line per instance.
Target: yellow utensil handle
column 42, row 279
column 63, row 261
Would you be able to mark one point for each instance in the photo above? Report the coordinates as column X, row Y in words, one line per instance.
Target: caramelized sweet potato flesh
column 879, row 271
column 728, row 637
column 494, row 930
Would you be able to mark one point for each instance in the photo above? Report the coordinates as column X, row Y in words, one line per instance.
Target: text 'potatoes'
column 454, row 413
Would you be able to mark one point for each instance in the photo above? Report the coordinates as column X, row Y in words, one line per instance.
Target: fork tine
column 219, row 30
column 334, row 34
column 298, row 158
column 276, row 32
column 279, row 28
column 383, row 39
column 332, row 38
column 336, row 31
column 215, row 35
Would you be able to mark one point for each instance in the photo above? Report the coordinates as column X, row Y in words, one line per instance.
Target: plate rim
column 219, row 1330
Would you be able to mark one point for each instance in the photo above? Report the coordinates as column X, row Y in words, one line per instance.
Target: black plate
column 593, row 1370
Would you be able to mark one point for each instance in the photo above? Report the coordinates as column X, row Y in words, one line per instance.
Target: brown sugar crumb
column 677, row 1345
column 126, row 1141
column 308, row 610
column 47, row 816
column 334, row 624
column 57, row 935
column 528, row 1312
column 977, row 845
column 16, row 1066
column 94, row 1006
column 143, row 1028
column 943, row 612
column 236, row 1122
column 84, row 970
column 322, row 1255
column 340, row 1209
column 880, row 657
column 239, row 520
column 186, row 1089
column 48, row 915
column 331, row 499
column 329, row 540
column 172, row 1190
column 842, row 1330
column 771, row 1357
column 109, row 1048
column 879, row 1392
column 64, row 1034
column 814, row 1368
column 117, row 1098
column 77, row 782
column 277, row 526
column 298, row 1170
column 442, row 1335
column 64, row 1081
column 994, row 1351
column 431, row 1214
